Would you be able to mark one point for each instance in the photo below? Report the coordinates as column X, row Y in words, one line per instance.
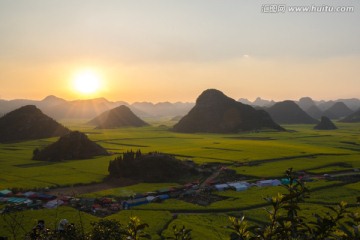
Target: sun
column 87, row 82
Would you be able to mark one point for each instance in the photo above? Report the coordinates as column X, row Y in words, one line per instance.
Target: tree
column 181, row 234
column 106, row 230
column 285, row 222
column 13, row 223
column 134, row 230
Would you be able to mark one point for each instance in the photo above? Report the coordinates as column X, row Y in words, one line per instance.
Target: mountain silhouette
column 352, row 118
column 118, row 117
column 176, row 118
column 214, row 112
column 245, row 101
column 305, row 103
column 325, row 124
column 314, row 112
column 338, row 110
column 288, row 112
column 74, row 145
column 263, row 102
column 58, row 108
column 29, row 123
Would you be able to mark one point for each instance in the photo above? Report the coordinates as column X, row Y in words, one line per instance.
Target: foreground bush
column 285, row 222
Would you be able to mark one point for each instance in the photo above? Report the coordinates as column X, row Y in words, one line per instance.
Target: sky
column 164, row 50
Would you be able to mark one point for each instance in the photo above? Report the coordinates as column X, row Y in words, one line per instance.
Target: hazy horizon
column 192, row 101
column 171, row 51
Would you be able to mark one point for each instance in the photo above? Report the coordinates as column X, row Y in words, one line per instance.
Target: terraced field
column 255, row 155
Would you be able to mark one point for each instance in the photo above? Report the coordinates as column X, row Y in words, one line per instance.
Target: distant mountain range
column 59, row 108
column 306, row 102
column 333, row 109
column 258, row 102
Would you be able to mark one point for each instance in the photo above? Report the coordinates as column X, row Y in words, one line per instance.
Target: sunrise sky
column 162, row 50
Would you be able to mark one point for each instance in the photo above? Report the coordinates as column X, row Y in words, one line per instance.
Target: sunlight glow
column 86, row 82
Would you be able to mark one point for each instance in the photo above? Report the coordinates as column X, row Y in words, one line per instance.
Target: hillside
column 305, row 103
column 352, row 118
column 325, row 124
column 75, row 145
column 214, row 112
column 338, row 110
column 118, row 117
column 314, row 112
column 288, row 112
column 28, row 123
column 59, row 108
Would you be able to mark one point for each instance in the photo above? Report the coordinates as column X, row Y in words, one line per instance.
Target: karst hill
column 214, row 112
column 325, row 124
column 118, row 117
column 288, row 112
column 29, row 123
column 352, row 118
column 75, row 145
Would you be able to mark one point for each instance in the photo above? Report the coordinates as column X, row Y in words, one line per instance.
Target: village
column 194, row 192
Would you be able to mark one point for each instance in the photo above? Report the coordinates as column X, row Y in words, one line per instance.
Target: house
column 54, row 203
column 134, row 202
column 163, row 196
column 17, row 200
column 221, row 187
column 150, row 198
column 267, row 183
column 45, row 197
column 29, row 194
column 238, row 186
column 5, row 192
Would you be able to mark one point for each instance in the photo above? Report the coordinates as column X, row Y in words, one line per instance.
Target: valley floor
column 254, row 156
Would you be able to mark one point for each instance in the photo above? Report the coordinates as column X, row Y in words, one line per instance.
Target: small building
column 221, row 187
column 44, row 197
column 238, row 186
column 267, row 183
column 133, row 203
column 17, row 200
column 163, row 196
column 53, row 204
column 29, row 194
column 5, row 192
column 150, row 198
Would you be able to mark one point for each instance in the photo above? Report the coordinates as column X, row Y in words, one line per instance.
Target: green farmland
column 255, row 155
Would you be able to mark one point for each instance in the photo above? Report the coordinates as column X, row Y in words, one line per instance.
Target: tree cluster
column 151, row 167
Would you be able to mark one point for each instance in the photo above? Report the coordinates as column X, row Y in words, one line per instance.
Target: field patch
column 10, row 149
column 35, row 164
column 123, row 144
column 223, row 149
column 253, row 138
